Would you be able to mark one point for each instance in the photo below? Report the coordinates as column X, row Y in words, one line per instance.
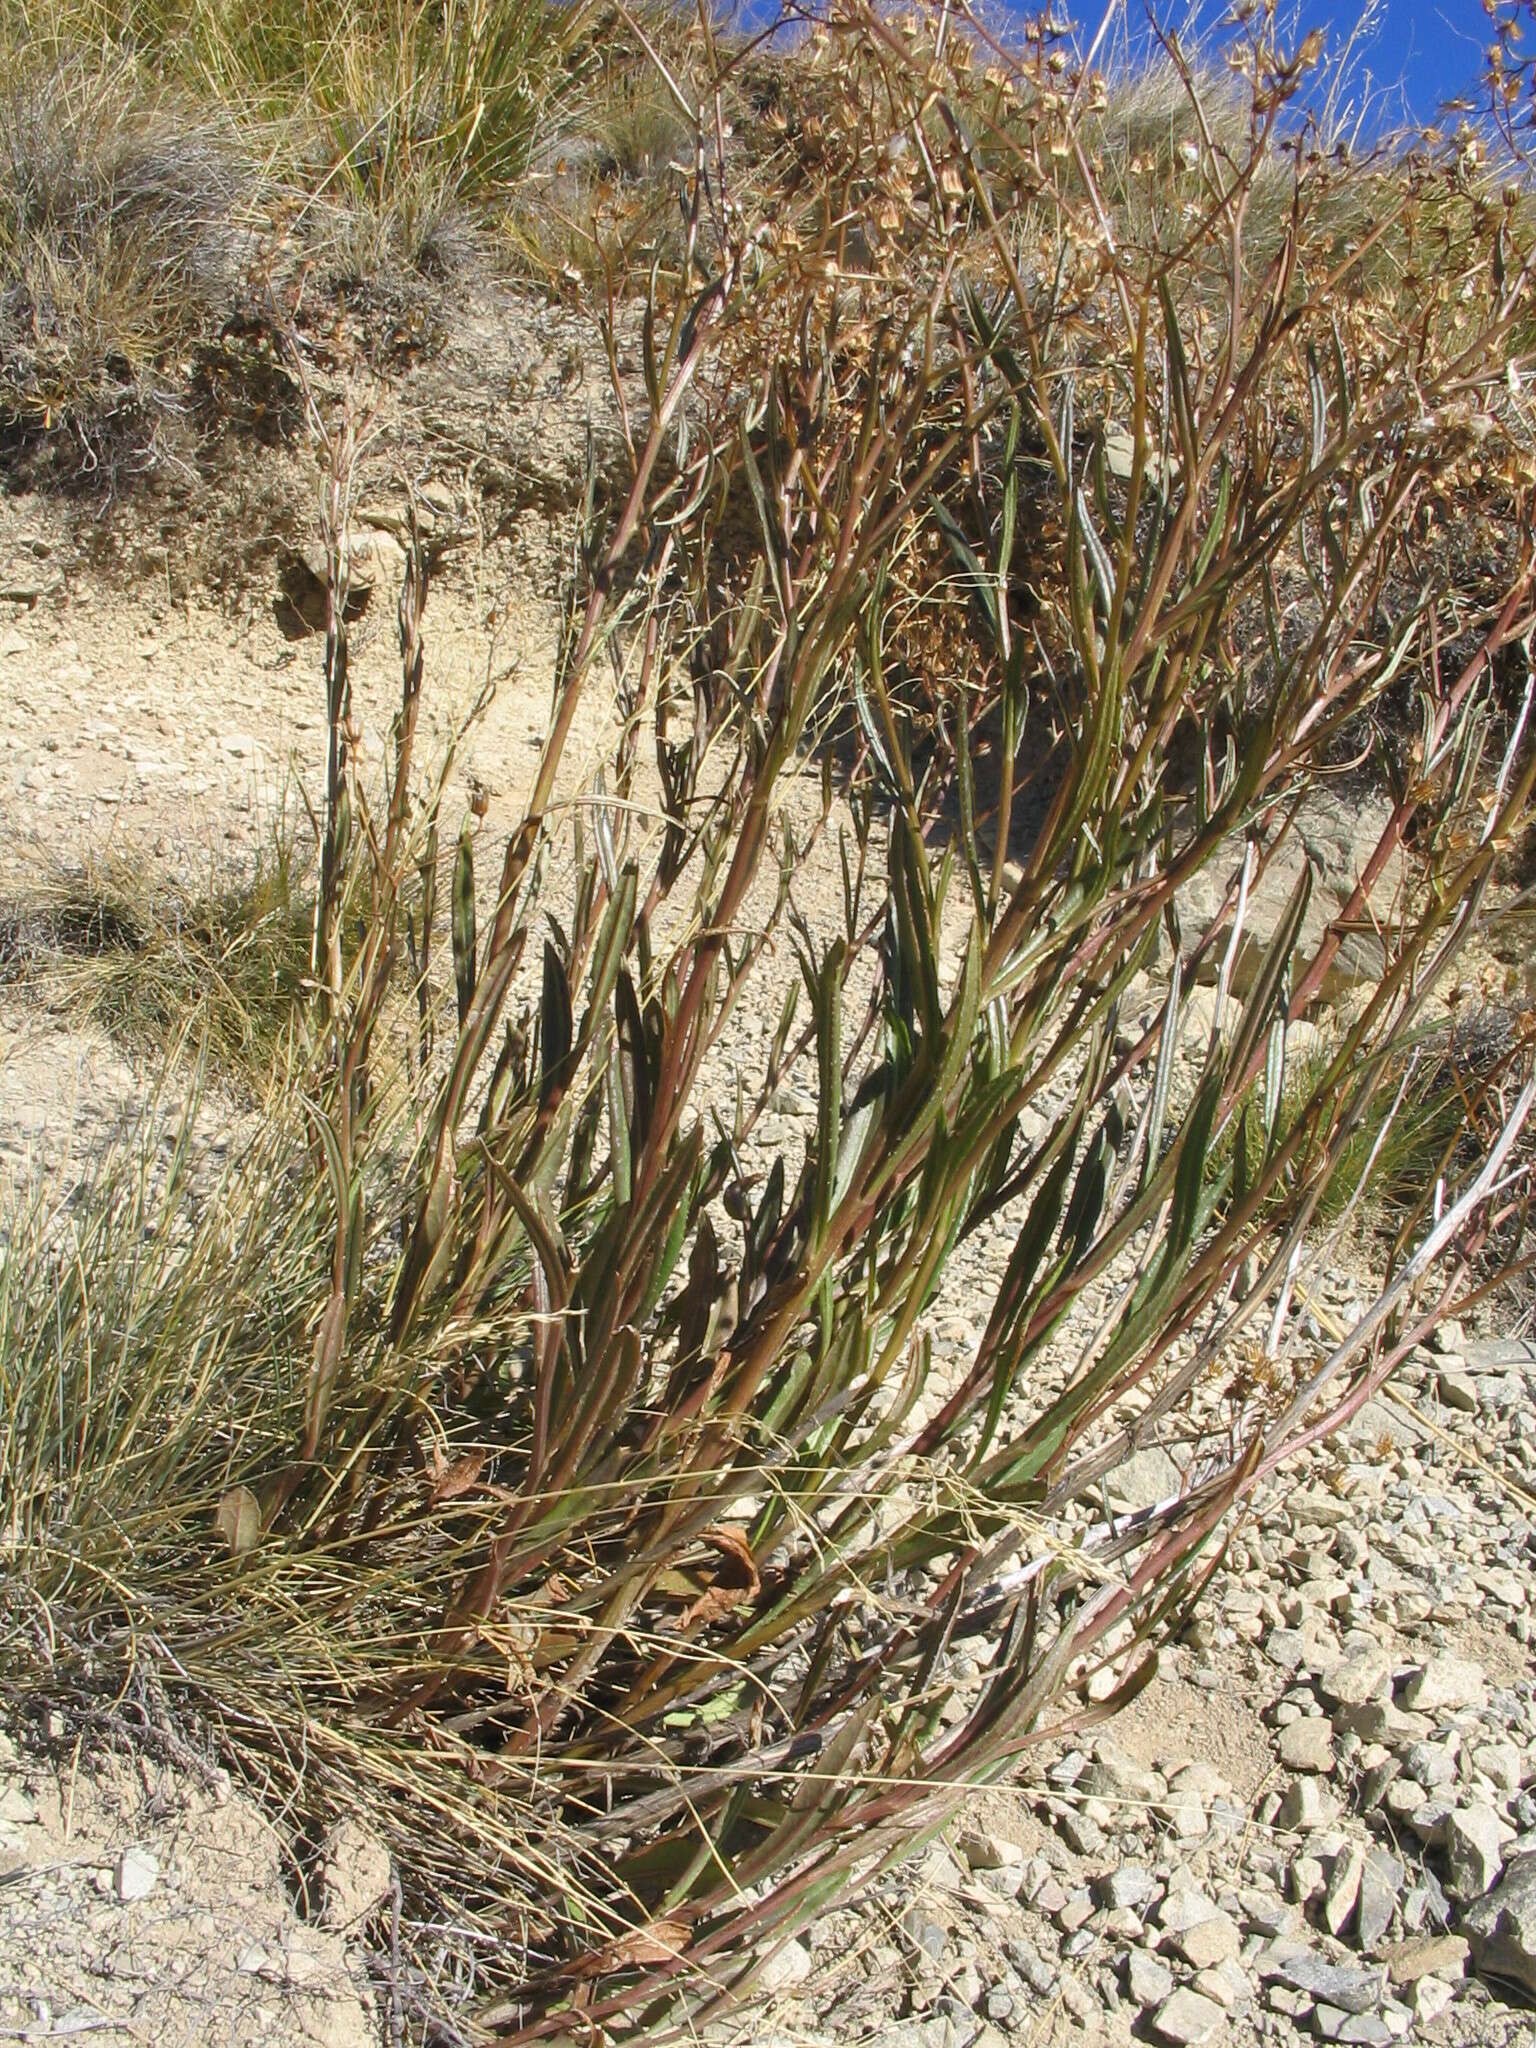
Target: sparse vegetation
column 223, row 967
column 516, row 1433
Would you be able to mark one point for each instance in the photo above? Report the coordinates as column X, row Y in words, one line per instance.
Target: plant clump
column 526, row 1429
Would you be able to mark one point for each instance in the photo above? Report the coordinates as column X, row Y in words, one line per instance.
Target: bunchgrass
column 224, row 964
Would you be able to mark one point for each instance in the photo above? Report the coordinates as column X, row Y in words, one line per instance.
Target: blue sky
column 1419, row 53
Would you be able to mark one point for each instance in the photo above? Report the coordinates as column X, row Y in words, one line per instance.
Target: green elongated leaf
column 1274, row 967
column 870, row 726
column 336, row 1172
column 1317, row 392
column 1098, row 558
column 1194, row 1150
column 1017, row 1289
column 1087, row 1203
column 699, row 1295
column 1016, row 1471
column 765, row 1221
column 357, row 1239
column 556, row 1029
column 1218, row 521
column 915, row 931
column 965, row 791
column 983, row 583
column 464, row 962
column 666, row 1263
column 1009, row 523
column 633, row 1057
column 619, row 1122
column 828, row 999
column 608, row 957
column 962, row 1023
column 765, row 519
column 1274, row 1078
column 1162, row 1078
column 862, row 1118
column 1179, row 379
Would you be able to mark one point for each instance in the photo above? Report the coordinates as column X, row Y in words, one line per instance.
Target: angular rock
column 1431, row 1955
column 1445, row 1684
column 1351, row 1989
column 1457, row 1391
column 1128, row 1884
column 1332, row 2024
column 788, row 1967
column 1209, row 1942
column 1081, row 1832
column 1364, row 1675
column 1474, row 1851
column 1227, row 1985
column 1145, row 1479
column 1307, row 1744
column 1381, row 1885
column 1148, row 1981
column 1184, row 1908
column 1187, row 2019
column 136, row 1875
column 1432, row 1996
column 979, row 1851
column 1307, row 1804
column 1501, row 1927
column 1343, row 1893
column 1119, row 1778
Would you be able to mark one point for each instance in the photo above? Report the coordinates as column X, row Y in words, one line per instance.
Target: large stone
column 1502, row 1927
column 1307, row 1744
column 1381, row 1886
column 1114, row 1776
column 786, row 1969
column 1364, row 1675
column 1209, row 1942
column 1148, row 1980
column 1350, row 1988
column 1445, row 1684
column 136, row 1875
column 1343, row 1893
column 980, row 1850
column 1307, row 1804
column 1143, row 1481
column 1128, row 1884
column 1457, row 1391
column 1187, row 2019
column 1474, row 1851
column 1355, row 2029
column 1337, row 838
column 1429, row 1955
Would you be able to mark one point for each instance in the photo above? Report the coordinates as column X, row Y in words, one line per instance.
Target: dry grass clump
column 223, row 967
column 126, row 216
column 513, row 1428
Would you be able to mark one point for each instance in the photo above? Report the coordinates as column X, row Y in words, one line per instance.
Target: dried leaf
column 738, row 1580
column 237, row 1521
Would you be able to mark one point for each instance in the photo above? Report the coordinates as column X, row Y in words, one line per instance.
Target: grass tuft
column 225, row 966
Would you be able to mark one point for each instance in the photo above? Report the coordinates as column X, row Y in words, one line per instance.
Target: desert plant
column 124, row 219
column 612, row 1445
column 224, row 963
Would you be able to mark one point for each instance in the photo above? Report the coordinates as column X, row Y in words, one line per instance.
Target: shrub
column 578, row 1464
